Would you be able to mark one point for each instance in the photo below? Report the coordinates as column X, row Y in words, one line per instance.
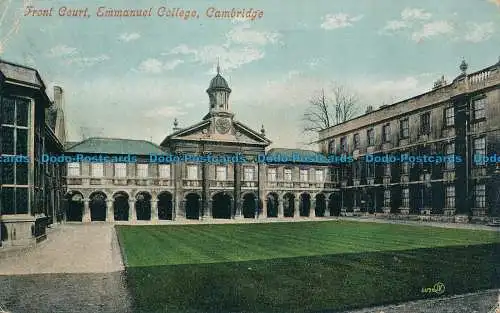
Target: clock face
column 223, row 125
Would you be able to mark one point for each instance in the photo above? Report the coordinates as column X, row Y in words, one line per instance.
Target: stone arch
column 249, row 205
column 89, row 193
column 192, row 205
column 121, row 205
column 305, row 204
column 74, row 206
column 143, row 205
column 320, row 207
column 97, row 205
column 186, row 193
column 222, row 204
column 288, row 204
column 122, row 192
column 272, row 204
column 165, row 205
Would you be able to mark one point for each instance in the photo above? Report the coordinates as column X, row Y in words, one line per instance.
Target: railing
column 301, row 185
column 74, row 181
column 479, row 76
column 191, row 183
column 249, row 184
column 222, row 183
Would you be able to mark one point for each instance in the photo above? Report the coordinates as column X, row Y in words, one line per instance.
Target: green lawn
column 301, row 267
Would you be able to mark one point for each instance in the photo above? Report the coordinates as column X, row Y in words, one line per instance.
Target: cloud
column 61, row 51
column 127, row 37
column 88, row 61
column 396, row 25
column 243, row 45
column 478, row 32
column 242, row 34
column 155, row 66
column 415, row 14
column 409, row 17
column 432, row 29
column 230, row 57
column 339, row 20
column 168, row 111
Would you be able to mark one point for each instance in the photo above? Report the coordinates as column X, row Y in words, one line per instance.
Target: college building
column 141, row 190
column 458, row 120
column 32, row 192
column 116, row 181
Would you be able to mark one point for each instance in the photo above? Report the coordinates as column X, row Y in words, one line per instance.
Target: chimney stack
column 60, row 122
column 58, row 97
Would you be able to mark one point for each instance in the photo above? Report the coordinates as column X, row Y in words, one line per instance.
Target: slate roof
column 114, row 146
column 20, row 73
column 289, row 152
column 282, row 155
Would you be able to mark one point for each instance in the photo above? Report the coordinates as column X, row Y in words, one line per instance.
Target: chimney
column 60, row 125
column 58, row 97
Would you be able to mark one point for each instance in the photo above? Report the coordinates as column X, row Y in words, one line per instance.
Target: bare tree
column 323, row 112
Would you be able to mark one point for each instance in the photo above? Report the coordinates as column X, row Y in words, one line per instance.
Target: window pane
column 164, row 171
column 120, row 170
column 22, row 173
column 192, row 172
column 8, row 206
column 22, row 142
column 22, row 112
column 142, row 170
column 8, row 111
column 7, row 140
column 8, row 173
column 97, row 170
column 21, row 200
column 73, row 169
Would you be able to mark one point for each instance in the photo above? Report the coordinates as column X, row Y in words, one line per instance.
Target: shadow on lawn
column 328, row 283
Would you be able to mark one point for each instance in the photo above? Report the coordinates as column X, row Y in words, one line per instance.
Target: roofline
column 112, row 138
column 405, row 100
column 180, row 131
column 53, row 135
column 28, row 68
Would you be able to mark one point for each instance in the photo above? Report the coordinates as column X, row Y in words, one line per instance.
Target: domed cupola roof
column 219, row 82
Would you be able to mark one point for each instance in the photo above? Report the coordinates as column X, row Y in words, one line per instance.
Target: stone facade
column 459, row 119
column 152, row 191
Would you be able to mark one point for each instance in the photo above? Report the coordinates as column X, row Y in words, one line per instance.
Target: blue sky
column 130, row 77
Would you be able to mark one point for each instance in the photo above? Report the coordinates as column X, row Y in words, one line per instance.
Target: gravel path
column 76, row 248
column 77, row 269
column 480, row 302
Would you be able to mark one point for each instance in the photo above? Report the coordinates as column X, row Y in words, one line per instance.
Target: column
column 264, row 208
column 257, row 210
column 312, row 210
column 86, row 211
column 281, row 212
column 200, row 209
column 154, row 209
column 327, row 208
column 132, row 216
column 237, row 205
column 208, row 210
column 296, row 207
column 110, row 216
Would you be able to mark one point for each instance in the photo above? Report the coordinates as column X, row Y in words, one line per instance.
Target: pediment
column 239, row 133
